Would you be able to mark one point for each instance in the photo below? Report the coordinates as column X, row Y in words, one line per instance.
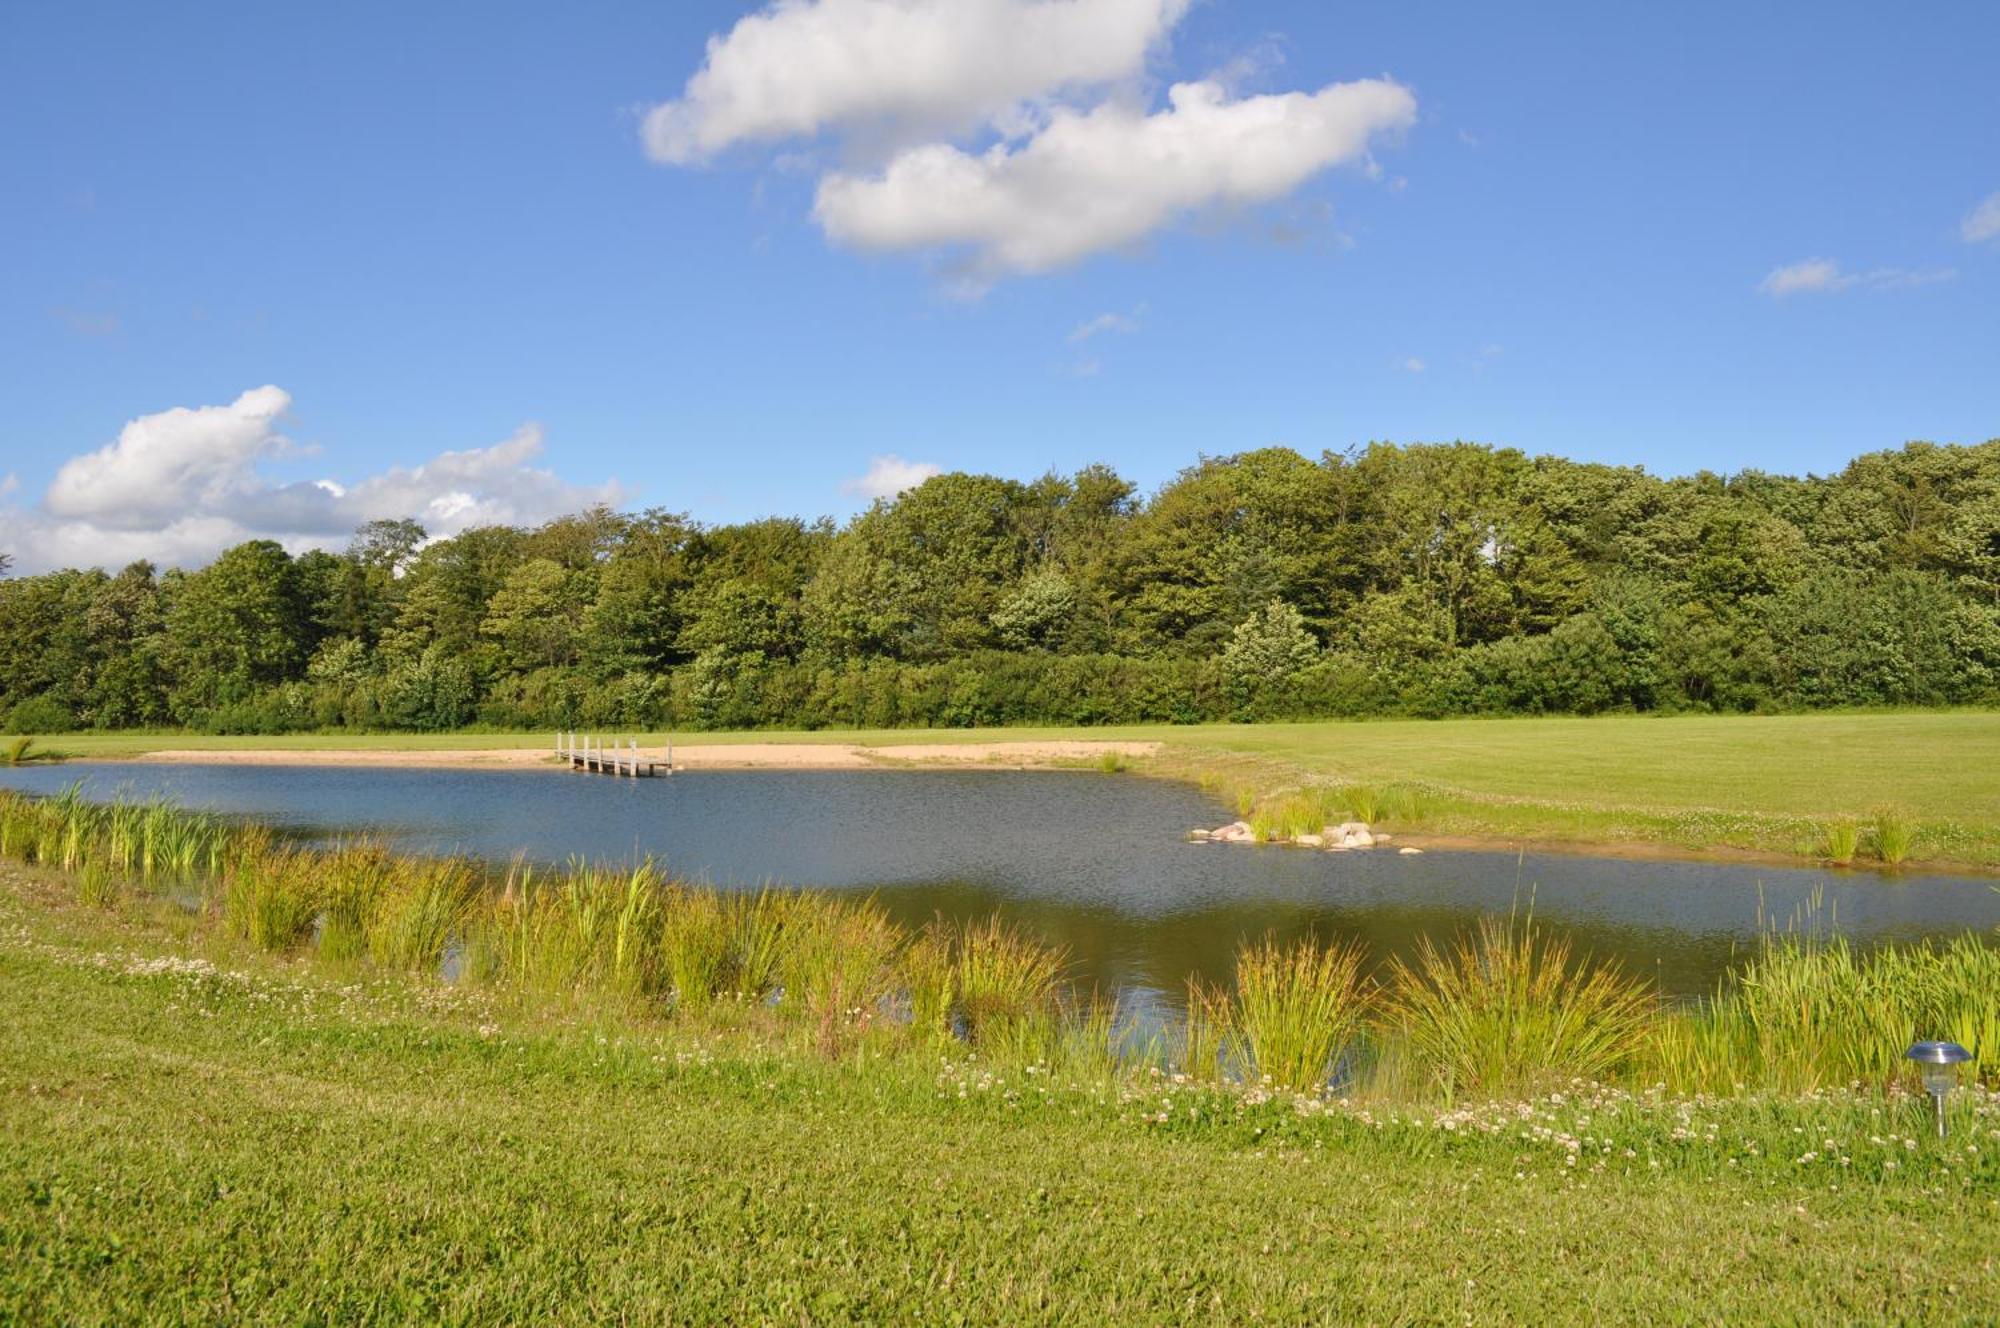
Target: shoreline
column 1023, row 755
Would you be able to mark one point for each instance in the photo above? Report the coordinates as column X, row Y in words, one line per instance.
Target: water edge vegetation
column 212, row 1116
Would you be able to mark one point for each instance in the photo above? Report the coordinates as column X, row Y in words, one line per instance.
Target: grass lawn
column 192, row 1133
column 1756, row 782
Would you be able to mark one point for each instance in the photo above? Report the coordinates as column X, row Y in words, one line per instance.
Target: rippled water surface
column 1093, row 861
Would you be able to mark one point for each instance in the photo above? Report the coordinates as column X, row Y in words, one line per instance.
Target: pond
column 1094, row 862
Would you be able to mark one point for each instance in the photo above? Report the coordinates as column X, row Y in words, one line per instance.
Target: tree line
column 1392, row 580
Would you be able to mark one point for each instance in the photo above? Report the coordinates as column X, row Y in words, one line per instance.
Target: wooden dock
column 591, row 754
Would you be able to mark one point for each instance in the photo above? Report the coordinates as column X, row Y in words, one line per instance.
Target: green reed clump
column 757, row 925
column 1508, row 1009
column 929, row 979
column 421, row 909
column 351, row 878
column 697, row 943
column 1298, row 1009
column 1204, row 1031
column 1703, row 1047
column 1004, row 980
column 96, row 887
column 1840, row 840
column 1111, row 763
column 17, row 751
column 1401, row 803
column 1819, row 1016
column 1245, row 800
column 1362, row 801
column 839, row 965
column 1893, row 835
column 272, row 899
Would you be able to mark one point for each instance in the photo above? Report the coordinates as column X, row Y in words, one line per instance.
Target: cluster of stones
column 1333, row 838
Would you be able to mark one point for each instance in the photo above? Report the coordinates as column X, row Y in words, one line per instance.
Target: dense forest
column 1417, row 580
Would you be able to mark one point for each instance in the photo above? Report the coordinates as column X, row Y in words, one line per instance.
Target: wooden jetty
column 592, row 754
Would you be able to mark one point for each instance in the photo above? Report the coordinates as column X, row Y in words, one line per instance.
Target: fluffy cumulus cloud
column 179, row 485
column 1983, row 222
column 1107, row 177
column 800, row 67
column 1016, row 136
column 889, row 475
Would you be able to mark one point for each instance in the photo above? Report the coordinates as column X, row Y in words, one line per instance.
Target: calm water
column 1092, row 861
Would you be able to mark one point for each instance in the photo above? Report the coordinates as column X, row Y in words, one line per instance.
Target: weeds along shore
column 1504, row 1012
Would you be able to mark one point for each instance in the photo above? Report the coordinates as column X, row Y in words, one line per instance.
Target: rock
column 1309, row 841
column 1409, row 852
column 1381, row 838
column 1336, row 848
column 1361, row 839
column 1236, row 832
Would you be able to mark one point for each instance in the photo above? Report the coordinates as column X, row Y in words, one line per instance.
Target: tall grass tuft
column 1894, row 836
column 423, row 907
column 1363, row 802
column 96, row 886
column 1298, row 1009
column 840, row 965
column 1840, row 841
column 1004, row 981
column 272, row 899
column 1507, row 1009
column 1204, row 1032
column 757, row 924
column 929, row 980
column 17, row 752
column 696, row 941
column 352, row 878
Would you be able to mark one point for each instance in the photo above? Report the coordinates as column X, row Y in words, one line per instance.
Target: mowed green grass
column 256, row 1145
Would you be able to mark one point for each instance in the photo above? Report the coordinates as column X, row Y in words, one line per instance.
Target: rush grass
column 1502, row 1011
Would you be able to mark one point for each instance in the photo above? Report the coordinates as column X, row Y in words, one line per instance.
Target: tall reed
column 1298, row 1009
column 1508, row 1009
column 1894, row 836
column 1003, row 979
column 1840, row 841
column 839, row 965
column 420, row 912
column 272, row 899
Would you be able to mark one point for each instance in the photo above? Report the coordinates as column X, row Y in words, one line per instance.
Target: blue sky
column 431, row 226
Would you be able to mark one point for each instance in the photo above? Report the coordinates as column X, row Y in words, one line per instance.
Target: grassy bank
column 196, row 1129
column 1784, row 785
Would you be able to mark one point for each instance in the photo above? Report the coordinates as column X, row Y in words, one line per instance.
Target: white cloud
column 1411, row 364
column 182, row 484
column 1983, row 222
column 889, row 475
column 1122, row 324
column 1813, row 274
column 1106, row 178
column 798, row 67
column 1822, row 276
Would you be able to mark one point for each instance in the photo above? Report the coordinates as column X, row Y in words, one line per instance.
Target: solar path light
column 1939, row 1062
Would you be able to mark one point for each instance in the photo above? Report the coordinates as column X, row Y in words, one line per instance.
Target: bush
column 40, row 714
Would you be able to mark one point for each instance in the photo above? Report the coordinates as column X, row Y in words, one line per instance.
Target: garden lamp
column 1940, row 1062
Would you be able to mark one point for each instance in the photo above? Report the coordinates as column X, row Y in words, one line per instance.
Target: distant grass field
column 189, row 1132
column 1769, row 783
